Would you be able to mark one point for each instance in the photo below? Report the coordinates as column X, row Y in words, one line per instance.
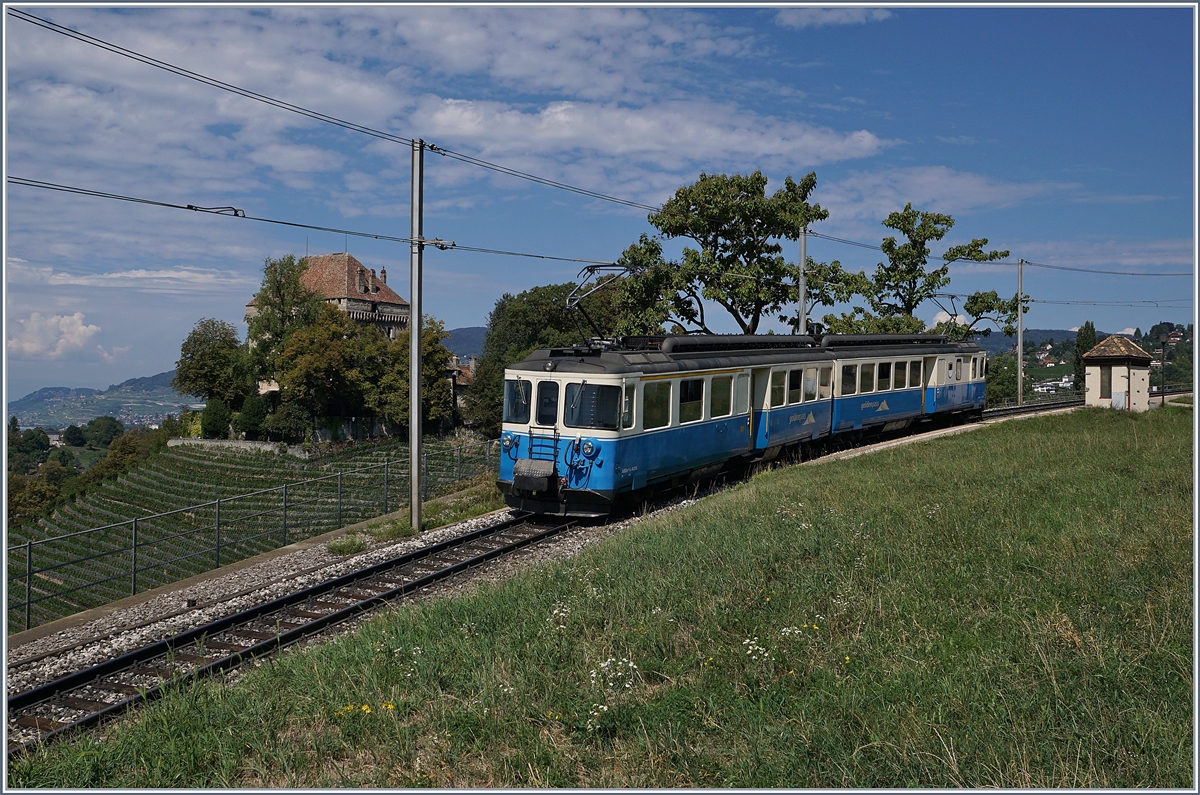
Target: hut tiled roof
column 1118, row 347
column 333, row 276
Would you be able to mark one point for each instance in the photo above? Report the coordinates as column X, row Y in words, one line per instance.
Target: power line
column 1166, row 303
column 233, row 212
column 312, row 114
column 1005, row 262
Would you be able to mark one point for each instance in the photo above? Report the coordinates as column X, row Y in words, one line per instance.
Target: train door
column 760, row 380
column 929, row 386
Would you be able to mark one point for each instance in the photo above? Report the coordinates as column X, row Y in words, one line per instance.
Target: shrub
column 214, row 420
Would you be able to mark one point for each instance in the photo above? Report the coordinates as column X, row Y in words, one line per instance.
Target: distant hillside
column 138, row 401
column 467, row 341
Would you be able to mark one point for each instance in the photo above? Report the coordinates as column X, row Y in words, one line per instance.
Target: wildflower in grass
column 366, row 708
column 388, row 705
column 595, row 715
column 613, row 674
column 754, row 651
column 788, row 632
column 559, row 615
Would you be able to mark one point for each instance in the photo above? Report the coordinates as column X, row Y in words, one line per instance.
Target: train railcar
column 587, row 425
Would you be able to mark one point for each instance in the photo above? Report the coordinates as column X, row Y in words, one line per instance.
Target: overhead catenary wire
column 233, row 212
column 313, row 114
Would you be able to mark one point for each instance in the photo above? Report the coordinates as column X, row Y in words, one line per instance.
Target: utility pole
column 414, row 335
column 1162, row 379
column 801, row 285
column 1020, row 332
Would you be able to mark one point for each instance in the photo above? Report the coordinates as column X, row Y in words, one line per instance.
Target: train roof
column 671, row 353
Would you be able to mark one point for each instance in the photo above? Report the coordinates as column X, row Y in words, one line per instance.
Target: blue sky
column 1063, row 135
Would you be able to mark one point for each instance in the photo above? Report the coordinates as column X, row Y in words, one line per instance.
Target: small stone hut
column 1117, row 375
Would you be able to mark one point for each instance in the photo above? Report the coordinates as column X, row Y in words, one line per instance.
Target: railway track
column 88, row 696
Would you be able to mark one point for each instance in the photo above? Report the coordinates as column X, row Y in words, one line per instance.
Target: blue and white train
column 587, row 426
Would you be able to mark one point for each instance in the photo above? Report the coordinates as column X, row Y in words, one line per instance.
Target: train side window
column 656, row 404
column 810, row 384
column 794, row 378
column 592, row 406
column 721, row 398
column 826, row 382
column 547, row 409
column 691, row 400
column 958, row 369
column 516, row 400
column 741, row 395
column 866, row 378
column 778, row 381
column 885, row 376
column 627, row 409
column 914, row 373
column 900, row 375
column 974, row 368
column 849, row 378
column 983, row 367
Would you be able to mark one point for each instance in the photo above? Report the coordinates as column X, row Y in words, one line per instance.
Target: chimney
column 374, row 285
column 362, row 280
column 471, row 367
column 383, row 275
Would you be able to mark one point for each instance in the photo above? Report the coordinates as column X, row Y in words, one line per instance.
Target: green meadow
column 1009, row 607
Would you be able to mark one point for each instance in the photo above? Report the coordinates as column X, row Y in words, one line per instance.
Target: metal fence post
column 424, row 477
column 28, row 579
column 218, row 533
column 385, row 486
column 285, row 514
column 339, row 510
column 133, row 562
column 458, row 462
column 487, row 455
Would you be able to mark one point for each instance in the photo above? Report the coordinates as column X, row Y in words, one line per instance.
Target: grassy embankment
column 1009, row 607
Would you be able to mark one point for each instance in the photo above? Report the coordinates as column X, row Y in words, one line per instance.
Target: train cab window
column 691, row 400
column 627, row 409
column 826, row 382
column 516, row 400
column 721, row 397
column 914, row 373
column 983, row 367
column 741, row 394
column 849, row 378
column 592, row 406
column 794, row 378
column 656, row 404
column 885, row 376
column 810, row 384
column 900, row 375
column 778, row 381
column 547, row 409
column 866, row 378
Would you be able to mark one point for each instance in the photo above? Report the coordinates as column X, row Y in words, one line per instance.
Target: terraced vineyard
column 188, row 509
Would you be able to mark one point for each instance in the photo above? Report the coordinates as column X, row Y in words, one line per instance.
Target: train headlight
column 506, row 442
column 588, row 448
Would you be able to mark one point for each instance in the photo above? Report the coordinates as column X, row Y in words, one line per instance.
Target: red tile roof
column 1117, row 347
column 334, row 276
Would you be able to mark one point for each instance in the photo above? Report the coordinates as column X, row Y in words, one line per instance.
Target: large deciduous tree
column 739, row 263
column 983, row 307
column 282, row 305
column 211, row 363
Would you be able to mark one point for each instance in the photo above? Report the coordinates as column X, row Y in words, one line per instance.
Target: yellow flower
column 815, row 626
column 366, row 708
column 847, row 659
column 388, row 705
column 768, row 598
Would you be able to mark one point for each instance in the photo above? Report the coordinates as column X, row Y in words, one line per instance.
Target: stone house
column 343, row 281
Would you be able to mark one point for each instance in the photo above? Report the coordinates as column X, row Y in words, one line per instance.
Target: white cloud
column 942, row 316
column 1073, row 328
column 1128, row 330
column 182, row 280
column 50, row 337
column 858, row 203
column 819, row 17
column 116, row 354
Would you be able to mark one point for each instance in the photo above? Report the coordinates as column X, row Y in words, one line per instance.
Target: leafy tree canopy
column 100, row 431
column 211, row 362
column 739, row 263
column 282, row 305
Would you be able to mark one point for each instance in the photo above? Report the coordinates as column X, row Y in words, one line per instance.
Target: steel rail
column 166, row 648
